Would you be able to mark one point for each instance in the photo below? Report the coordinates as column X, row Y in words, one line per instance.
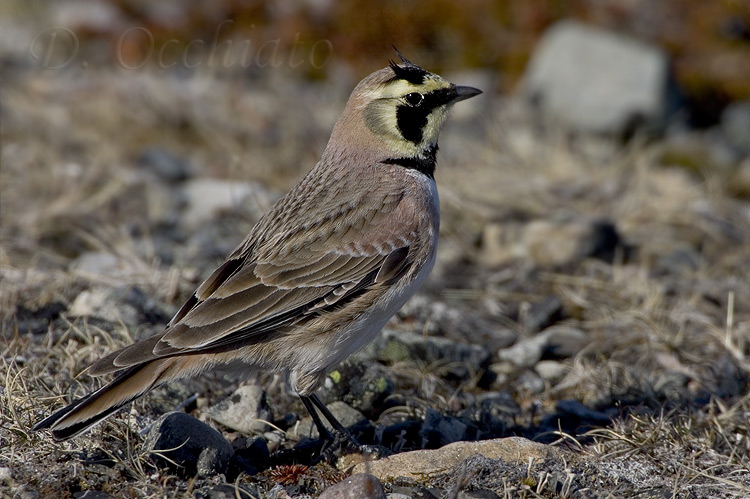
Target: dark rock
column 672, row 385
column 572, row 416
column 539, row 315
column 37, row 320
column 251, row 454
column 400, row 436
column 358, row 486
column 187, row 446
column 165, row 165
column 438, row 430
column 179, row 395
column 628, row 83
column 364, row 386
column 246, row 410
column 492, row 413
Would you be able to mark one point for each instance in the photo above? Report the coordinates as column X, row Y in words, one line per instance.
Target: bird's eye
column 414, row 99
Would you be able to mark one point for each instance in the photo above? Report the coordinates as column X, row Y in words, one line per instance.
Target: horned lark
column 321, row 273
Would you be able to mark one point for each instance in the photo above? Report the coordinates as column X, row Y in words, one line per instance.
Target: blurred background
column 595, row 207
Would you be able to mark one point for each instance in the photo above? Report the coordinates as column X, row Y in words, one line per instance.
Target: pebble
column 438, row 430
column 551, row 371
column 357, row 486
column 187, row 446
column 167, row 166
column 246, row 410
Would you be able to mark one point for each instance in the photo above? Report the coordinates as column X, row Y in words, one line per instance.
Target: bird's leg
column 322, row 430
column 338, row 428
column 341, row 436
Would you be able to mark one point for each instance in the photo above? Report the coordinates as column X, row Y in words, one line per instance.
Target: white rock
column 596, row 81
column 246, row 410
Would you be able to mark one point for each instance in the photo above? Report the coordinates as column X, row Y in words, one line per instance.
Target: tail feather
column 95, row 407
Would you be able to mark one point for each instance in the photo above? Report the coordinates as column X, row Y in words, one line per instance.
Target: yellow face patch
column 407, row 115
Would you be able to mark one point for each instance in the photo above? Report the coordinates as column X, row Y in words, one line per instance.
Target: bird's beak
column 463, row 93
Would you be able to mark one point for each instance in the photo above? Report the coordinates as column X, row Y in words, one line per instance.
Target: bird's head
column 402, row 107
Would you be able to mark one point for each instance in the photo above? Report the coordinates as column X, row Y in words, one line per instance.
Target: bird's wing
column 290, row 273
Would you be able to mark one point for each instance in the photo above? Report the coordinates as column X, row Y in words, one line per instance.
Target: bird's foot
column 339, row 443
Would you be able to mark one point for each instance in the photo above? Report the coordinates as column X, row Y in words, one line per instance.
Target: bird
column 321, row 272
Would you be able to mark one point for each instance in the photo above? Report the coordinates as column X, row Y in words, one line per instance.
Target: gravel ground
column 589, row 297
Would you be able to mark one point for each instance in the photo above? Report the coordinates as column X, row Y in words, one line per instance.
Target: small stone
column 100, row 263
column 188, row 446
column 531, row 382
column 672, row 385
column 551, row 371
column 438, row 430
column 246, row 410
column 400, row 435
column 525, row 353
column 164, row 164
column 343, row 412
column 572, row 414
column 493, row 413
column 416, row 464
column 252, row 453
column 563, row 341
column 566, row 241
column 358, row 486
column 5, row 476
column 541, row 314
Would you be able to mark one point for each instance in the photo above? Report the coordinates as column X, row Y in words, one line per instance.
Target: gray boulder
column 591, row 80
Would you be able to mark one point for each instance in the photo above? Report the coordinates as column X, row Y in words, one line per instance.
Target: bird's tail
column 95, row 407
